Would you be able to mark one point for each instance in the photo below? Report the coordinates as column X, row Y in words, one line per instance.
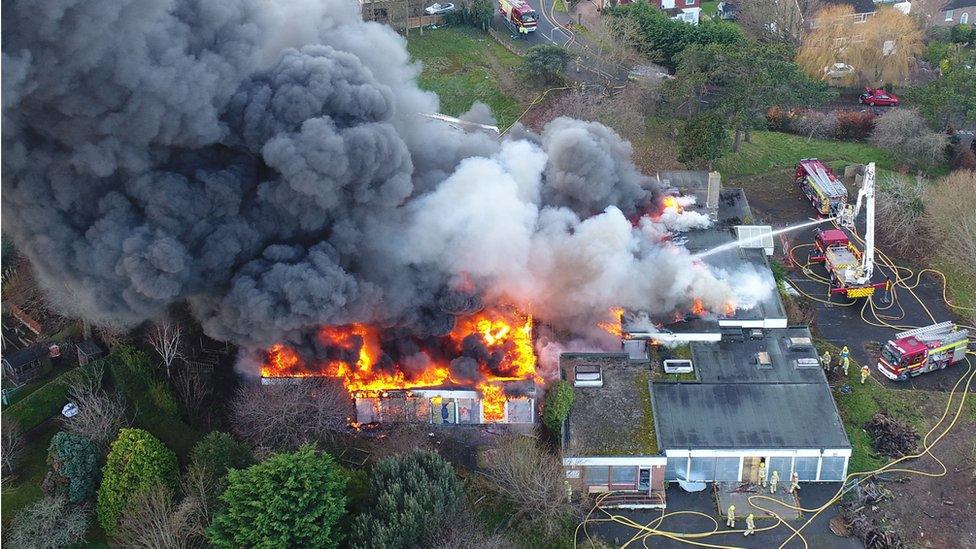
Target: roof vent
column 588, row 375
column 806, row 363
column 763, row 362
column 678, row 366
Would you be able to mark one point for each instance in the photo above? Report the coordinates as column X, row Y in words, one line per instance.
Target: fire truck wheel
column 903, row 377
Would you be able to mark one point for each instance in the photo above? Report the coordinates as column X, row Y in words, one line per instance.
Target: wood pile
column 892, row 437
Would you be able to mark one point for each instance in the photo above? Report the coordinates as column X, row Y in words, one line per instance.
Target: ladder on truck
column 928, row 333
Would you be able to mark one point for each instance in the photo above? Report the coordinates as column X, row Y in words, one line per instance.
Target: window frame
column 949, row 15
column 586, row 475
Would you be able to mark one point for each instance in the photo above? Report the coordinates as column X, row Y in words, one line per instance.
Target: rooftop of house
column 767, row 392
column 615, row 419
column 860, row 6
column 959, row 4
column 26, row 356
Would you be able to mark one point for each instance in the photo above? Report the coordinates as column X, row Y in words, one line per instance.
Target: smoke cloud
column 268, row 164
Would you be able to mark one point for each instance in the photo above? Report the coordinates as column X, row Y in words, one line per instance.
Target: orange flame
column 729, row 308
column 671, row 202
column 505, row 330
column 697, row 307
column 617, row 327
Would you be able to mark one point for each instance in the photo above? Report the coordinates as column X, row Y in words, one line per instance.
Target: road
column 549, row 30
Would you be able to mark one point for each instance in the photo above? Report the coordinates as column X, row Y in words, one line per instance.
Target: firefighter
column 730, row 521
column 750, row 525
column 825, row 359
column 844, row 353
column 865, row 373
column 773, row 481
column 794, row 482
column 845, row 363
column 762, row 474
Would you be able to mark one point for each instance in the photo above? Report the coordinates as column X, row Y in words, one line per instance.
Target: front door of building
column 644, row 480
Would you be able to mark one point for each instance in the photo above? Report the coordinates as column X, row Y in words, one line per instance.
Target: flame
column 697, row 308
column 617, row 326
column 671, row 202
column 358, row 347
column 729, row 308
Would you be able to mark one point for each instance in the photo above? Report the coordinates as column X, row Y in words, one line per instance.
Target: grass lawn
column 709, row 7
column 33, row 466
column 772, row 150
column 560, row 5
column 460, row 65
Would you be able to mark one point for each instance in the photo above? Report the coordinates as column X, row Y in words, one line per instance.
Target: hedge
column 559, row 399
column 46, row 401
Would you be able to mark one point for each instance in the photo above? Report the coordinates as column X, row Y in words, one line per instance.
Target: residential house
column 957, row 12
column 688, row 11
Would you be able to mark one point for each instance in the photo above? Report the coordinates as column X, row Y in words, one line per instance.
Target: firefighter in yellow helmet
column 750, row 525
column 762, row 474
column 773, row 482
column 845, row 353
column 825, row 360
column 845, row 364
column 794, row 482
column 865, row 373
column 730, row 521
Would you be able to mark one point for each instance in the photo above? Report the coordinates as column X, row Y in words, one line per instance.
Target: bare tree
column 153, row 520
column 900, row 208
column 950, row 215
column 11, row 447
column 777, row 21
column 204, row 487
column 48, row 523
column 286, row 414
column 904, row 134
column 165, row 337
column 100, row 414
column 192, row 389
column 532, row 480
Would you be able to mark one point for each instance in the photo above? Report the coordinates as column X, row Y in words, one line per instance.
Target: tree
column 777, row 21
column 950, row 217
column 192, row 390
column 154, row 520
column 703, row 139
column 220, row 452
column 165, row 337
column 74, row 466
column 100, row 415
column 137, row 461
column 48, row 523
column 904, row 134
column 950, row 99
column 900, row 210
column 289, row 500
column 287, row 415
column 532, row 480
column 881, row 48
column 11, row 447
column 744, row 81
column 559, row 399
column 414, row 495
column 545, row 63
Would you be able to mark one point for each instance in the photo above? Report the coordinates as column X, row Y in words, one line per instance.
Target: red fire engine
column 819, row 184
column 519, row 15
column 850, row 270
column 922, row 350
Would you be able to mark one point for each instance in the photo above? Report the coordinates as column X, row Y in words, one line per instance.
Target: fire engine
column 818, row 182
column 922, row 350
column 519, row 15
column 850, row 270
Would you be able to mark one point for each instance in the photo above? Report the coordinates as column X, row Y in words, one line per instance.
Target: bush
column 475, row 13
column 703, row 139
column 74, row 464
column 545, row 63
column 814, row 124
column 413, row 496
column 289, row 500
column 962, row 34
column 46, row 401
column 904, row 134
column 936, row 52
column 218, row 452
column 559, row 399
column 163, row 398
column 136, row 462
column 48, row 523
column 777, row 119
column 854, row 125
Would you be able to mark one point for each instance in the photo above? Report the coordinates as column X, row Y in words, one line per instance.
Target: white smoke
column 681, row 219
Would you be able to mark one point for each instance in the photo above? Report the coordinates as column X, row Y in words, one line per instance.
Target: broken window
column 676, row 469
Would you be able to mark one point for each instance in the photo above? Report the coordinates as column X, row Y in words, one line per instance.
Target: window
column 964, row 18
column 623, row 476
column 588, row 375
column 806, row 467
column 690, row 2
column 781, row 464
column 948, row 15
column 832, row 468
column 597, row 475
column 727, row 469
column 676, row 469
column 702, row 469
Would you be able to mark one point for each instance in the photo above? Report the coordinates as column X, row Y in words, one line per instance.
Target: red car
column 877, row 96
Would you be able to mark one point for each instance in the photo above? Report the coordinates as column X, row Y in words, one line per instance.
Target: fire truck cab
column 819, row 184
column 922, row 350
column 519, row 15
column 843, row 262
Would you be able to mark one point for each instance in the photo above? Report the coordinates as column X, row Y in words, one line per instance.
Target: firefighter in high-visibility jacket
column 773, row 482
column 750, row 525
column 762, row 474
column 865, row 373
column 730, row 521
column 794, row 482
column 845, row 364
column 825, row 359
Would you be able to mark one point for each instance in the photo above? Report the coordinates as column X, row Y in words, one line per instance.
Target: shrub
column 904, row 134
column 936, row 52
column 289, row 500
column 962, row 34
column 413, row 497
column 476, row 13
column 559, row 399
column 544, row 63
column 74, row 463
column 48, row 523
column 136, row 462
column 703, row 139
column 854, row 125
column 163, row 398
column 814, row 124
column 218, row 452
column 777, row 119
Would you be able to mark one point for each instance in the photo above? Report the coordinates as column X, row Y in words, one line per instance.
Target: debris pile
column 892, row 437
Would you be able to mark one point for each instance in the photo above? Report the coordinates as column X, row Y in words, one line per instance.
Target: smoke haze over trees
column 267, row 164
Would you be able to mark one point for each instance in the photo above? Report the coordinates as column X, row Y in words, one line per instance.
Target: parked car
column 439, row 9
column 877, row 96
column 838, row 70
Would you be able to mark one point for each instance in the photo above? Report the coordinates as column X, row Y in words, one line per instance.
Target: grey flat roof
column 735, row 361
column 746, row 416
